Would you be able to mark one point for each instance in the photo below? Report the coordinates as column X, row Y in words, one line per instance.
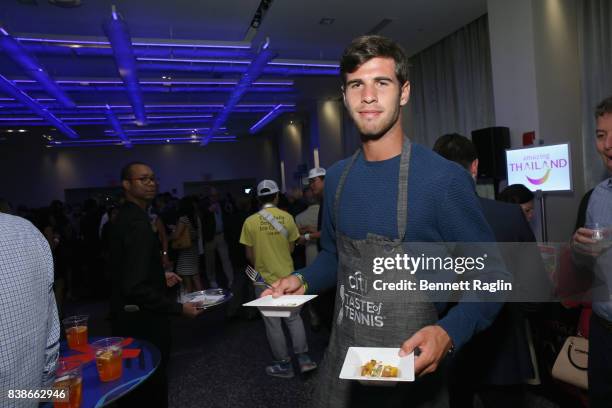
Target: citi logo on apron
column 354, row 303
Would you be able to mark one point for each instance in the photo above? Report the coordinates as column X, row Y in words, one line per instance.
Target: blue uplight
column 247, row 79
column 32, row 68
column 268, row 117
column 114, row 122
column 11, row 89
column 118, row 34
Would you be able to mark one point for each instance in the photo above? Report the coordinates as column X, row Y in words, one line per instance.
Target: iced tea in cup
column 76, row 330
column 68, row 378
column 108, row 358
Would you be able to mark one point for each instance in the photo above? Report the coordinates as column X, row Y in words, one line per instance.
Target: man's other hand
column 434, row 343
column 191, row 310
column 289, row 285
column 172, row 279
column 583, row 243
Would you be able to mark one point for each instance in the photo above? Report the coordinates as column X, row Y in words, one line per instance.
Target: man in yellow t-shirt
column 269, row 238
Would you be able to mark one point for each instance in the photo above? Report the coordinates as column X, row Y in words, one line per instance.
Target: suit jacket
column 137, row 275
column 500, row 354
column 209, row 223
column 507, row 221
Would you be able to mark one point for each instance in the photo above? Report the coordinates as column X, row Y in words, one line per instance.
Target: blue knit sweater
column 442, row 206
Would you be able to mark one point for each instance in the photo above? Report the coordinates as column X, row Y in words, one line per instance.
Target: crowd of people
column 389, row 192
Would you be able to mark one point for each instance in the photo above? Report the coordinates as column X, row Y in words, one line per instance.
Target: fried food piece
column 390, row 371
column 375, row 368
column 367, row 368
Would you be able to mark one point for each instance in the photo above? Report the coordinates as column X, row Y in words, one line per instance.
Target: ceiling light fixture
column 30, row 65
column 270, row 116
column 253, row 72
column 121, row 43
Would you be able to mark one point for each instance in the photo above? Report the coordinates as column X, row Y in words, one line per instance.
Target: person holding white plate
column 390, row 192
column 269, row 238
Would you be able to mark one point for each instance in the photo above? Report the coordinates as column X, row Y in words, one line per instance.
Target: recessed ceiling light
column 327, row 21
column 167, row 140
column 9, row 130
column 22, row 130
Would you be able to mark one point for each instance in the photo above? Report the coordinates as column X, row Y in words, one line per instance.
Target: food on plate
column 375, row 368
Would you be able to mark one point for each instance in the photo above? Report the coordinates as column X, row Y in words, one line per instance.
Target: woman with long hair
column 188, row 258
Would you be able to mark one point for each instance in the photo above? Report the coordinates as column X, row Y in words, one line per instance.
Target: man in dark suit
column 214, row 241
column 497, row 362
column 139, row 306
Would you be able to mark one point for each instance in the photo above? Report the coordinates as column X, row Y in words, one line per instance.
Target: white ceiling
column 292, row 25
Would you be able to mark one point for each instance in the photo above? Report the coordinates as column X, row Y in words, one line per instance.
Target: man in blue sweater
column 389, row 192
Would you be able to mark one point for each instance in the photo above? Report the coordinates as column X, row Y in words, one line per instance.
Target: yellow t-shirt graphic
column 270, row 247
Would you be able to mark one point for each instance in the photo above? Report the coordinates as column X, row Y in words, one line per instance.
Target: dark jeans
column 156, row 330
column 600, row 363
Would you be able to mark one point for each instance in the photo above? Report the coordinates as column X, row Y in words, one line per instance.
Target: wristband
column 302, row 280
column 307, row 236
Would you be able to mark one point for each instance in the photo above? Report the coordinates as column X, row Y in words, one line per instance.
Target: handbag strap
column 569, row 356
column 274, row 222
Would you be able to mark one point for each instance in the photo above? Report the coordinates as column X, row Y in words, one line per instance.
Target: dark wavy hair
column 456, row 148
column 603, row 107
column 516, row 194
column 364, row 48
column 186, row 208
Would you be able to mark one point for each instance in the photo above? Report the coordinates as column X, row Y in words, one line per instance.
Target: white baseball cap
column 316, row 172
column 267, row 187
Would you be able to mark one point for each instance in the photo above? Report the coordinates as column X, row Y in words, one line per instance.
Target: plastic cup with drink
column 108, row 358
column 76, row 330
column 68, row 379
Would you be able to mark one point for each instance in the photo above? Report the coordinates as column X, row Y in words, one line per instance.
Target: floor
column 218, row 361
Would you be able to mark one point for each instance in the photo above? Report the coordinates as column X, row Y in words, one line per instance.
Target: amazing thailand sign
column 545, row 168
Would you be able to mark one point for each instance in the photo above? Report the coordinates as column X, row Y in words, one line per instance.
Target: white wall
column 536, row 84
column 329, row 114
column 558, row 83
column 513, row 67
column 33, row 175
column 292, row 149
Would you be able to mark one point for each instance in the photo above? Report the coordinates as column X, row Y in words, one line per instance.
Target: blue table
column 135, row 370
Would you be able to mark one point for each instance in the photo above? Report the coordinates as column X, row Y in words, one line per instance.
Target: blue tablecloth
column 135, row 371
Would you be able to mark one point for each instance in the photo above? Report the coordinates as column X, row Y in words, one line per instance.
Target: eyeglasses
column 146, row 179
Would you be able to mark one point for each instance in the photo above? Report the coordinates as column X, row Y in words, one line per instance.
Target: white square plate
column 356, row 357
column 281, row 306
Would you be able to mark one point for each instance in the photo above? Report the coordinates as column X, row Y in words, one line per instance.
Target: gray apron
column 365, row 317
